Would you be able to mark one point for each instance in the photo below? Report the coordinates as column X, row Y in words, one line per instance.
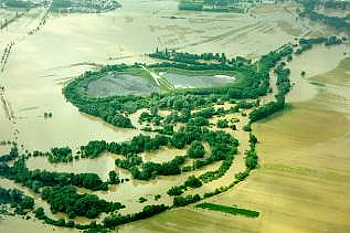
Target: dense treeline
column 209, row 5
column 114, row 220
column 192, row 182
column 138, row 144
column 16, row 199
column 65, row 199
column 56, row 155
column 196, row 150
column 339, row 23
column 269, row 61
column 109, row 222
column 342, row 5
column 267, row 109
column 63, row 154
column 188, row 58
column 306, row 44
column 214, row 175
column 93, row 149
column 11, row 156
column 222, row 123
column 150, row 170
column 283, row 86
column 66, row 6
column 19, row 4
column 283, row 82
column 38, row 179
column 251, row 159
column 183, row 201
column 190, row 6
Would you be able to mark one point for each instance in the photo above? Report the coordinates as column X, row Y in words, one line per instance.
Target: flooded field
column 303, row 151
column 39, row 65
column 303, row 175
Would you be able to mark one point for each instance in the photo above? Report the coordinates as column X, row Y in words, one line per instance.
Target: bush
column 193, row 182
column 196, row 150
column 222, row 123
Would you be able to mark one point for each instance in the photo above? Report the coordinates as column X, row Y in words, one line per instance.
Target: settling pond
column 197, row 81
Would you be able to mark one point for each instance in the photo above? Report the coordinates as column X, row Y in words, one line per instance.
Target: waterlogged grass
column 197, row 72
column 228, row 209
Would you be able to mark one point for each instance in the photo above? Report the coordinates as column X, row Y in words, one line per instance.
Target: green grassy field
column 228, row 209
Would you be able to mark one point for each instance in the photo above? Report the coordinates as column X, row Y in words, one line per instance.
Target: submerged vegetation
column 65, row 199
column 17, row 200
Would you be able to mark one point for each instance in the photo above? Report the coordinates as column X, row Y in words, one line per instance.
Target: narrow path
column 14, row 19
column 155, row 76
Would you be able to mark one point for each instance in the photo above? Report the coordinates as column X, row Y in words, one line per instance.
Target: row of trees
column 93, row 149
column 339, row 23
column 16, row 199
column 192, row 182
column 283, row 86
column 65, row 199
column 19, row 4
column 62, row 154
column 109, row 222
column 342, row 5
column 267, row 109
column 37, row 179
column 188, row 58
column 151, row 169
column 11, row 156
column 306, row 44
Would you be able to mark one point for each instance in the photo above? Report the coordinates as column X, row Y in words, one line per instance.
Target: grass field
column 198, row 81
column 340, row 75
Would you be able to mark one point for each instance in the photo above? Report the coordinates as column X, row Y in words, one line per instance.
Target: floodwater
column 303, row 180
column 40, row 65
column 304, row 164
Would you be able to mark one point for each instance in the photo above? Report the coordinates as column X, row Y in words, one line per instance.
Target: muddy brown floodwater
column 39, row 65
column 303, row 181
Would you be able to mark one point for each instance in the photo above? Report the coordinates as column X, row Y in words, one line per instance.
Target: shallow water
column 303, row 174
column 41, row 64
